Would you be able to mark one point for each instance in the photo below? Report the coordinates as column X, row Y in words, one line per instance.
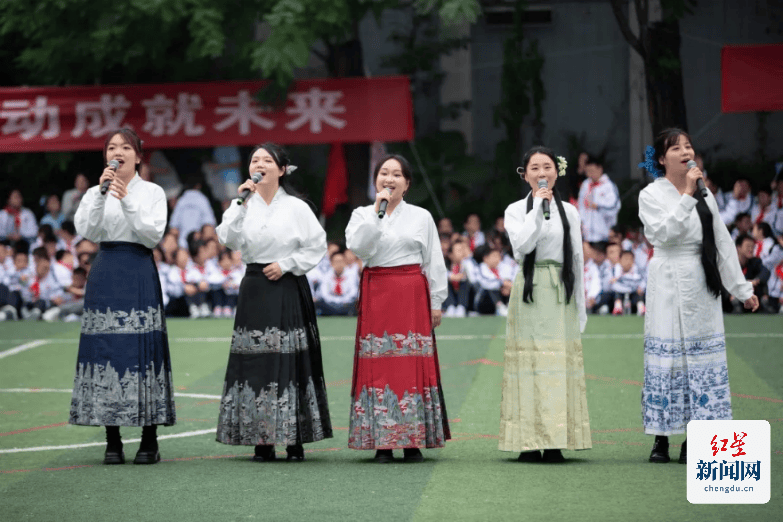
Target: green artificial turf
column 470, row 479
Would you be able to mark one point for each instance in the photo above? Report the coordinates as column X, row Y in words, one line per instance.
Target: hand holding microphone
column 542, row 184
column 699, row 182
column 384, row 202
column 108, row 176
column 246, row 193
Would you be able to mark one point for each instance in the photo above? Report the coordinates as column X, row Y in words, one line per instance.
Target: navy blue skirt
column 123, row 372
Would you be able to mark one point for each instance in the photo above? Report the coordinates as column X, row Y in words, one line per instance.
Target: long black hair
column 709, row 252
column 567, row 274
column 281, row 159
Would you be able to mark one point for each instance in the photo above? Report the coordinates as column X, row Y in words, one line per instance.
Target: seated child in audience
column 338, row 290
column 628, row 286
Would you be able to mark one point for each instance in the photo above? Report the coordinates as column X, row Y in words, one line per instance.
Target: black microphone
column 383, row 205
column 543, row 184
column 699, row 182
column 246, row 193
column 113, row 165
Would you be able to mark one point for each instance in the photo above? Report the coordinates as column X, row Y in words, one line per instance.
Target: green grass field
column 470, row 479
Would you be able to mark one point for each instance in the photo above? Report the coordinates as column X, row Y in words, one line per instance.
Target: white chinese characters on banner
column 162, row 118
column 315, row 107
column 29, row 119
column 101, row 117
column 242, row 112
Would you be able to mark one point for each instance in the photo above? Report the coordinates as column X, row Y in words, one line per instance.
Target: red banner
column 205, row 114
column 751, row 78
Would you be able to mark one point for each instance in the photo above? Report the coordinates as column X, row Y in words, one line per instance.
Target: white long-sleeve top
column 596, row 222
column 407, row 236
column 349, row 287
column 139, row 217
column 735, row 206
column 627, row 282
column 592, row 280
column 28, row 226
column 672, row 222
column 530, row 231
column 285, row 231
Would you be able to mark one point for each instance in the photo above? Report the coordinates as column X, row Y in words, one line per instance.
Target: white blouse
column 139, row 217
column 530, row 231
column 671, row 221
column 407, row 236
column 285, row 231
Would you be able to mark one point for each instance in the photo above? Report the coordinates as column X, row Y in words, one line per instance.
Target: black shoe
column 660, row 450
column 384, row 456
column 412, row 455
column 114, row 456
column 114, row 453
column 295, row 453
column 147, row 457
column 683, row 453
column 529, row 456
column 553, row 456
column 264, row 453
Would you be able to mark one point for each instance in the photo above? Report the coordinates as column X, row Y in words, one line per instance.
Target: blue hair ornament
column 649, row 162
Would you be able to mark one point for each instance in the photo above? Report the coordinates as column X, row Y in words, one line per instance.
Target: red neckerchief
column 779, row 271
column 761, row 215
column 590, row 187
column 455, row 270
column 35, row 288
column 495, row 271
column 757, row 251
column 201, row 268
column 780, row 198
column 17, row 214
column 338, row 290
column 182, row 274
column 226, row 272
column 66, row 265
column 472, row 240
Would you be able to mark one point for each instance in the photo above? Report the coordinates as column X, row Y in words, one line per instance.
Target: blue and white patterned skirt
column 123, row 371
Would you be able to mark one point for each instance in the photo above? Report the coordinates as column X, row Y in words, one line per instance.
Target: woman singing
column 397, row 398
column 685, row 372
column 544, row 404
column 274, row 392
column 123, row 372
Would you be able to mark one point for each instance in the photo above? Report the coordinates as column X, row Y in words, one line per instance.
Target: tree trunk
column 663, row 70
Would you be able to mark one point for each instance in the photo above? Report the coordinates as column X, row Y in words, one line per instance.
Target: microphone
column 246, row 193
column 543, row 184
column 113, row 165
column 383, row 205
column 699, row 182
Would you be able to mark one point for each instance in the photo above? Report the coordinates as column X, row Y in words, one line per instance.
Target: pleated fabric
column 544, row 400
column 397, row 396
column 274, row 391
column 123, row 370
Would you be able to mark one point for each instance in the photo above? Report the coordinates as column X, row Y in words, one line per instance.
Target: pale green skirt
column 544, row 404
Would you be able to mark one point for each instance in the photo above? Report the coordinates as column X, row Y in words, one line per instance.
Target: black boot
column 529, row 456
column 114, row 453
column 384, row 456
column 295, row 453
column 553, row 455
column 684, row 452
column 412, row 455
column 660, row 450
column 264, row 453
column 148, row 449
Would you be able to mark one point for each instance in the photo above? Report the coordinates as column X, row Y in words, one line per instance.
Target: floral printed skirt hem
column 274, row 391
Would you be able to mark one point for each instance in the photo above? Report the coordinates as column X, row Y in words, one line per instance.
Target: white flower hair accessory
column 289, row 169
column 562, row 164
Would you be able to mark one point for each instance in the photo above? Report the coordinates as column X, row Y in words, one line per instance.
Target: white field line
column 24, row 347
column 68, row 390
column 91, row 444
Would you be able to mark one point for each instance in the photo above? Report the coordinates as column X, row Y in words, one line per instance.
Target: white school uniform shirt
column 592, row 280
column 530, row 231
column 777, row 222
column 234, row 280
column 48, row 288
column 62, row 274
column 349, row 286
column 407, row 236
column 767, row 215
column 735, row 206
column 139, row 217
column 28, row 226
column 191, row 212
column 195, row 274
column 286, row 232
column 627, row 282
column 175, row 281
column 605, row 273
column 476, row 241
column 596, row 222
column 18, row 280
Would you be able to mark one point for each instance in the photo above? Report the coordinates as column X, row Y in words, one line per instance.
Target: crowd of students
column 44, row 265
